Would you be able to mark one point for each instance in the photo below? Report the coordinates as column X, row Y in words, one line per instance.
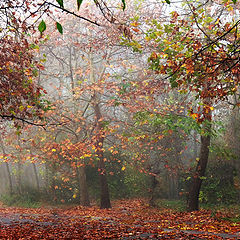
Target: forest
column 120, row 119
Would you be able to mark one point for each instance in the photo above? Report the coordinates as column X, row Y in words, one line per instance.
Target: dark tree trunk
column 197, row 178
column 153, row 197
column 105, row 198
column 193, row 199
column 82, row 182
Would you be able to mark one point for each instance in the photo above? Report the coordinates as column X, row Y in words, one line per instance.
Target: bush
column 137, row 184
column 123, row 179
column 218, row 187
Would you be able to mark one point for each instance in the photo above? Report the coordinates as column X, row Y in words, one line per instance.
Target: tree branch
column 73, row 13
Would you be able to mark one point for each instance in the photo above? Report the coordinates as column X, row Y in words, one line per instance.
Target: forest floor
column 128, row 219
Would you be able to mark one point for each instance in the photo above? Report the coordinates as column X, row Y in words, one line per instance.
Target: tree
column 198, row 55
column 90, row 71
column 20, row 99
column 82, row 83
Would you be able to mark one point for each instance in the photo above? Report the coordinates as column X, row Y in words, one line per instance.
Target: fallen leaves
column 128, row 219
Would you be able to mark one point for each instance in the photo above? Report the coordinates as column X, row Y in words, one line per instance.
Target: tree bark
column 105, row 198
column 153, row 197
column 197, row 178
column 82, row 180
column 193, row 199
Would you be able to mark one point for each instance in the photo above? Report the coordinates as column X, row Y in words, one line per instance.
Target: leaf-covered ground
column 128, row 219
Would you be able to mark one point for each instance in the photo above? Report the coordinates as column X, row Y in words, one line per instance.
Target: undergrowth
column 26, row 200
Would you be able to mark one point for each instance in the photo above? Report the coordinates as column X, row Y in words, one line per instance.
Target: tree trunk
column 19, row 177
column 105, row 198
column 9, row 178
column 36, row 176
column 193, row 200
column 197, row 178
column 82, row 181
column 7, row 168
column 153, row 197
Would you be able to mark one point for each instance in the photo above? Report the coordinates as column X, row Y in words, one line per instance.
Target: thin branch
column 13, row 117
column 73, row 13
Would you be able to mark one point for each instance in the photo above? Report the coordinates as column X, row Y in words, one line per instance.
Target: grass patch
column 225, row 212
column 176, row 205
column 26, row 201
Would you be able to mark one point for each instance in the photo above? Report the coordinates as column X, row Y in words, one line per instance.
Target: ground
column 128, row 219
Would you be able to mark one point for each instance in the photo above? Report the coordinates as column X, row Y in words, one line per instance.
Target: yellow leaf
column 87, row 155
column 148, row 38
column 123, row 168
column 135, row 24
column 21, row 108
column 194, row 115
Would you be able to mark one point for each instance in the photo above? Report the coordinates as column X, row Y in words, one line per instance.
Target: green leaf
column 59, row 27
column 124, row 4
column 79, row 2
column 42, row 26
column 167, row 1
column 234, row 1
column 60, row 2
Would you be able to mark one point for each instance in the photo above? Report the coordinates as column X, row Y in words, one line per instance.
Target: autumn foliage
column 128, row 95
column 19, row 94
column 127, row 219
